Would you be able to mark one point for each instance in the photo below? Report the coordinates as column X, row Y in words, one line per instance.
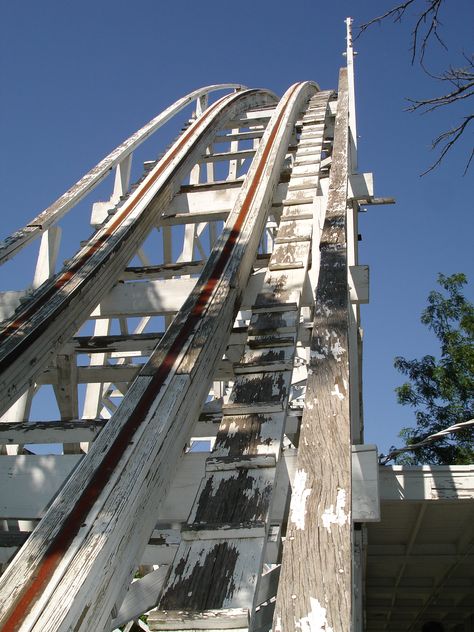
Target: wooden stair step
column 291, row 253
column 304, row 170
column 272, row 340
column 249, row 434
column 299, row 183
column 272, row 323
column 297, row 212
column 240, row 462
column 305, row 196
column 280, row 289
column 265, row 359
column 291, row 230
column 223, row 530
column 259, row 392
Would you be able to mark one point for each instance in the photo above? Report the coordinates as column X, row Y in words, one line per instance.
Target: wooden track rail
column 200, row 346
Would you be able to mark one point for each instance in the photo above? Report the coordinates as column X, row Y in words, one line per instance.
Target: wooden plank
column 87, row 183
column 145, row 298
column 70, row 297
column 290, row 256
column 222, row 619
column 291, row 230
column 142, row 595
column 50, row 431
column 212, row 575
column 146, row 440
column 247, row 494
column 300, row 183
column 240, row 462
column 272, row 340
column 221, row 508
column 315, row 584
column 254, row 433
column 280, row 289
column 259, row 392
column 229, row 155
column 296, row 211
column 185, row 219
column 272, row 322
column 216, row 200
column 359, row 284
column 265, row 359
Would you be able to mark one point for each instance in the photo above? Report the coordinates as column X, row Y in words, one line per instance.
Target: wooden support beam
column 73, row 431
column 87, row 183
column 315, row 583
column 230, row 536
column 69, row 575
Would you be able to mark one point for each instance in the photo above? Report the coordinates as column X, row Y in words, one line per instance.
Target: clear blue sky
column 79, row 77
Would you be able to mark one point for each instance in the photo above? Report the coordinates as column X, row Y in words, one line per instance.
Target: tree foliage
column 442, row 391
column 457, row 81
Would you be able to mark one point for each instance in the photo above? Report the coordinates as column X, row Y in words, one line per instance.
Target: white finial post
column 350, row 79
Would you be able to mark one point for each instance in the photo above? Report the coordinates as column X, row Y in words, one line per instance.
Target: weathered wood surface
column 92, row 545
column 256, row 433
column 55, row 311
column 315, row 584
column 258, row 392
column 50, row 431
column 236, row 619
column 235, row 495
column 87, row 183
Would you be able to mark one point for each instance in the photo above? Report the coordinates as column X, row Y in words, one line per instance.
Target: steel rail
column 117, row 443
column 87, row 277
column 51, row 215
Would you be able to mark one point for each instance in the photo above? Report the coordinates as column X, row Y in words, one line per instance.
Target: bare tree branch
column 429, row 16
column 449, row 138
column 426, row 29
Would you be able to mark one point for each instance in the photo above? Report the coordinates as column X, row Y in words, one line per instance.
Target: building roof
column 420, row 556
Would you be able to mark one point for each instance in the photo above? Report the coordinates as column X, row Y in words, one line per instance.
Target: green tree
column 442, row 391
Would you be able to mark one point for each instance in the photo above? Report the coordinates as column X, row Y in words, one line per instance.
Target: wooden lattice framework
column 203, row 348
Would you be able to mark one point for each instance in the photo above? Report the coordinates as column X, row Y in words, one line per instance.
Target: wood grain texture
column 225, row 536
column 315, row 585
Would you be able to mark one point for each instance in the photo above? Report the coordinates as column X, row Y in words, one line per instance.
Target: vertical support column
column 95, row 390
column 315, row 588
column 201, row 104
column 355, row 340
column 351, row 89
column 47, row 256
column 122, row 178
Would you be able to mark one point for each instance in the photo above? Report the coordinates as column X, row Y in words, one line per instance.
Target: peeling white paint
column 336, row 392
column 315, row 621
column 337, row 350
column 299, row 497
column 233, row 429
column 339, row 517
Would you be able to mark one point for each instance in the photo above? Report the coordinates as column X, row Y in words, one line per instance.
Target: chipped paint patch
column 337, row 351
column 315, row 621
column 299, row 496
column 336, row 392
column 339, row 517
column 233, row 429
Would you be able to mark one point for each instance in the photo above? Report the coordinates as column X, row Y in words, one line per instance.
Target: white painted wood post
column 47, row 256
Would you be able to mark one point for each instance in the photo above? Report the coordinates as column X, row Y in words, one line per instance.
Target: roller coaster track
column 256, row 187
